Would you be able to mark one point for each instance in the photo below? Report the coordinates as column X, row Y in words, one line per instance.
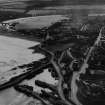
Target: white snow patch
column 44, row 77
column 37, row 22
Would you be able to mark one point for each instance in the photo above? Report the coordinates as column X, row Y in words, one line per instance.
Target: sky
column 32, row 4
column 63, row 1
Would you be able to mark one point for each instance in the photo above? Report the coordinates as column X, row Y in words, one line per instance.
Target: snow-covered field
column 14, row 52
